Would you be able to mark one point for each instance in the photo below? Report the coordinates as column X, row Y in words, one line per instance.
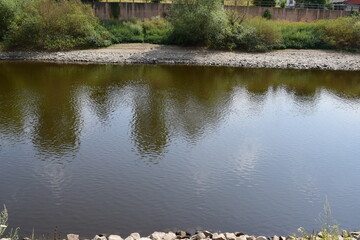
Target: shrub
column 267, row 14
column 156, row 31
column 341, row 33
column 255, row 34
column 125, row 31
column 299, row 35
column 56, row 25
column 198, row 22
column 8, row 11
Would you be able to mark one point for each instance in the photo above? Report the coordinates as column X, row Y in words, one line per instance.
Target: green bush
column 156, row 31
column 56, row 25
column 264, row 3
column 8, row 11
column 198, row 22
column 255, row 34
column 267, row 14
column 300, row 35
column 341, row 33
column 125, row 31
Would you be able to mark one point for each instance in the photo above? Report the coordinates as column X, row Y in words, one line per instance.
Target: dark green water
column 118, row 149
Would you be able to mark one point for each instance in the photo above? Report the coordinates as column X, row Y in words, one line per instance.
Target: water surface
column 118, row 149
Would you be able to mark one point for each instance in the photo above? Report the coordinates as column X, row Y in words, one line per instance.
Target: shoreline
column 206, row 235
column 143, row 53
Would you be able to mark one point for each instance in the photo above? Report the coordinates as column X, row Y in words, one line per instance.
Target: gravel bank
column 159, row 54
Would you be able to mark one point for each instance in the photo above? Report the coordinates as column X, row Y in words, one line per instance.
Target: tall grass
column 4, row 217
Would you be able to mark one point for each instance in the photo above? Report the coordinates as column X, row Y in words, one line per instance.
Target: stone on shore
column 99, row 237
column 230, row 236
column 261, row 238
column 198, row 236
column 115, row 237
column 135, row 236
column 218, row 236
column 182, row 234
column 157, row 235
column 238, row 234
column 72, row 236
column 169, row 236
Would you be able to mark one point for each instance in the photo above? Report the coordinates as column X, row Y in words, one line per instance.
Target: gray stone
column 355, row 234
column 135, row 236
column 157, row 235
column 144, row 238
column 217, row 236
column 242, row 237
column 182, row 234
column 261, row 238
column 230, row 236
column 115, row 237
column 72, row 236
column 99, row 237
column 198, row 236
column 208, row 234
column 251, row 238
column 129, row 238
column 238, row 234
column 169, row 236
column 5, row 238
column 275, row 237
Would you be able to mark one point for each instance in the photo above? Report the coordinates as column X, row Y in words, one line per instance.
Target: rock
column 99, row 237
column 157, row 235
column 115, row 237
column 238, row 234
column 169, row 236
column 289, row 238
column 182, row 234
column 230, row 236
column 5, row 238
column 242, row 237
column 198, row 236
column 355, row 234
column 261, row 238
column 129, row 238
column 72, row 237
column 251, row 238
column 275, row 237
column 208, row 234
column 135, row 236
column 144, row 238
column 217, row 236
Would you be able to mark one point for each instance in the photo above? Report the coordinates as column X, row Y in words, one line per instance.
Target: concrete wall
column 147, row 10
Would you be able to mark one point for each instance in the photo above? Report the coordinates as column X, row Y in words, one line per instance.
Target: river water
column 117, row 149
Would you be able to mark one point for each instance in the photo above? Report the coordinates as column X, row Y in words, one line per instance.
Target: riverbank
column 142, row 53
column 206, row 235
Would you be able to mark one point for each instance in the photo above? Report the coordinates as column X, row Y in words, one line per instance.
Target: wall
column 147, row 10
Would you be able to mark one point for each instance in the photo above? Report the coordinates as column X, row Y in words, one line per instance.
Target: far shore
column 143, row 53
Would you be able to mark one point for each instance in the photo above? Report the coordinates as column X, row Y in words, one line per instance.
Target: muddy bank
column 159, row 54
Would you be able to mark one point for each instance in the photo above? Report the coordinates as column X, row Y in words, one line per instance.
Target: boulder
column 230, row 236
column 99, row 237
column 115, row 237
column 218, row 236
column 169, row 236
column 261, row 238
column 182, row 234
column 129, row 238
column 72, row 236
column 242, row 237
column 251, row 238
column 198, row 236
column 157, row 235
column 135, row 236
column 275, row 237
column 208, row 234
column 238, row 234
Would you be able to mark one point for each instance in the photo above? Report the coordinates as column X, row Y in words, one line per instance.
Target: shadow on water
column 46, row 101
